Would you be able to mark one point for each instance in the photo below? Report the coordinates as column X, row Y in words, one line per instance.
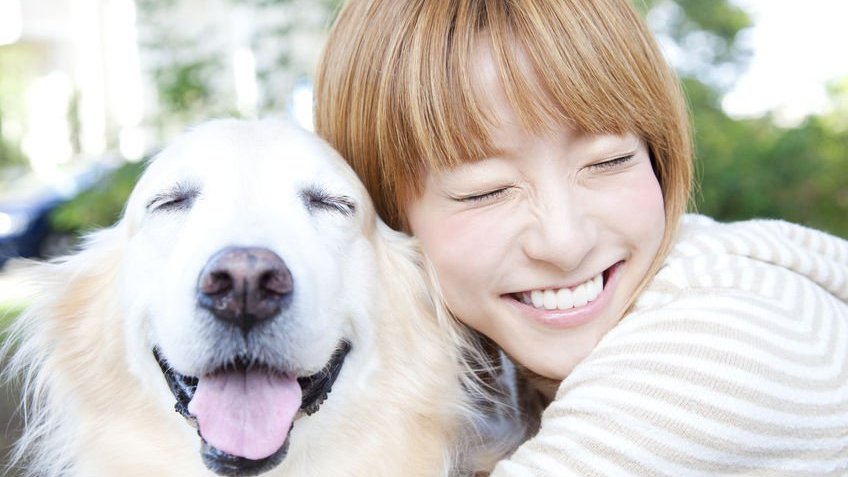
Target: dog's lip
column 182, row 386
column 229, row 465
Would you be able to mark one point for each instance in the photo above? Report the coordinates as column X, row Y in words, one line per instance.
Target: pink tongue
column 246, row 414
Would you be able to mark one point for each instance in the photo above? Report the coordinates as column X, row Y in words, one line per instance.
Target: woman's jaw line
column 568, row 307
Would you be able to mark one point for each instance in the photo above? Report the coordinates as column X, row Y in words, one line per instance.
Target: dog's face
column 249, row 274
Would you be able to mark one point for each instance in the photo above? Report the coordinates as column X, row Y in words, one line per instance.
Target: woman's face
column 540, row 246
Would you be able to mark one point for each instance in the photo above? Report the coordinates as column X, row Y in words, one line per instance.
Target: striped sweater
column 733, row 361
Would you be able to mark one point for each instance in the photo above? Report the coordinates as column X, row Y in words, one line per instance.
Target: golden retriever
column 249, row 286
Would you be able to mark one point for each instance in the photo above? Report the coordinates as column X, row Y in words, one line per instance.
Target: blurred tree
column 751, row 167
column 99, row 206
column 10, row 153
column 754, row 168
column 182, row 68
column 701, row 39
column 837, row 119
column 17, row 59
column 191, row 66
column 183, row 89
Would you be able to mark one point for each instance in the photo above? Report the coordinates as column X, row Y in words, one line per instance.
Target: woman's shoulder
column 766, row 239
column 762, row 294
column 771, row 258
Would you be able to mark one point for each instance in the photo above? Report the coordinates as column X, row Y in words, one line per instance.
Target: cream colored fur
column 98, row 405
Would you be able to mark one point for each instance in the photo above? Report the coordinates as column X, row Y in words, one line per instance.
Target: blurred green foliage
column 752, row 167
column 10, row 152
column 185, row 64
column 756, row 168
column 19, row 60
column 183, row 87
column 99, row 206
column 720, row 19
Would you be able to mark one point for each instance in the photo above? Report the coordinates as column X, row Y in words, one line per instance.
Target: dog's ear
column 65, row 285
column 58, row 291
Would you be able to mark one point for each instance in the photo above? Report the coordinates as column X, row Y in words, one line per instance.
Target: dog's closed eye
column 316, row 198
column 179, row 197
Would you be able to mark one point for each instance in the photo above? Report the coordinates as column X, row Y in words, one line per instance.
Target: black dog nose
column 244, row 285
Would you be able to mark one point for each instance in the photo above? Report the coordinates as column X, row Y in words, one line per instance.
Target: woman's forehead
column 505, row 84
column 505, row 129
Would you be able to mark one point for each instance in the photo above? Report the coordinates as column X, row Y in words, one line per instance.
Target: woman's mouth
column 569, row 306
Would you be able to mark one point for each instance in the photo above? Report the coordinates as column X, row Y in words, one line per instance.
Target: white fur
column 99, row 405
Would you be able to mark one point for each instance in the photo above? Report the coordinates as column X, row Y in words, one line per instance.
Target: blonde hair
column 395, row 95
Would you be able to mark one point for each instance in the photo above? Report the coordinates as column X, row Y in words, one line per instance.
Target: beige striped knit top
column 734, row 361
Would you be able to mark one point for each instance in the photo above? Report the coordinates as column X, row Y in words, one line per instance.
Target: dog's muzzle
column 245, row 409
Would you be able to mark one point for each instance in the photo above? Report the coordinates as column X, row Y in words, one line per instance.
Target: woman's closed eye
column 612, row 163
column 489, row 195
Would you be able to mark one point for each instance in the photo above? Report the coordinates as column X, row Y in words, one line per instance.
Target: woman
column 540, row 151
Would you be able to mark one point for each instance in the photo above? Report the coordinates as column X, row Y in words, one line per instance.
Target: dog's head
column 249, row 274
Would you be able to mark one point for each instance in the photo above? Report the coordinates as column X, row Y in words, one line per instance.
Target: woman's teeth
column 565, row 298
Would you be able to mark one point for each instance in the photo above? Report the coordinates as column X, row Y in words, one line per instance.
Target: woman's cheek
column 468, row 251
column 641, row 206
column 463, row 242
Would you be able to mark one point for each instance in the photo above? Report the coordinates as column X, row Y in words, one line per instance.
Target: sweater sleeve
column 731, row 365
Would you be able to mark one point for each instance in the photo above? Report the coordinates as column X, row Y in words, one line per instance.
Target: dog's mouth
column 245, row 411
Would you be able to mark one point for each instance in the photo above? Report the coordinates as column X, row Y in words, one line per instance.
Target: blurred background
column 90, row 88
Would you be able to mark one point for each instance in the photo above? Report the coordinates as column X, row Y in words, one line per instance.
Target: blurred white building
column 78, row 75
column 77, row 86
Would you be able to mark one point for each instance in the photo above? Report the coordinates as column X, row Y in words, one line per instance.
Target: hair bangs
column 567, row 67
column 552, row 71
column 448, row 123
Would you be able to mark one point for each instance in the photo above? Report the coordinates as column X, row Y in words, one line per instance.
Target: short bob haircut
column 396, row 97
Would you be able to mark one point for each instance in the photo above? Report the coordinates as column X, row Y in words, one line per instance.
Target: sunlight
column 11, row 24
column 47, row 139
column 247, row 91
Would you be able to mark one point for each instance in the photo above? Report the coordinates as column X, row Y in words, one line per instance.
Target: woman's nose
column 560, row 233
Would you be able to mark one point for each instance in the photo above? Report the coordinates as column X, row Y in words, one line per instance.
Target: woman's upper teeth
column 565, row 298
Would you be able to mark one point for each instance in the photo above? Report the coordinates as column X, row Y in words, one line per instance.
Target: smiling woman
column 540, row 153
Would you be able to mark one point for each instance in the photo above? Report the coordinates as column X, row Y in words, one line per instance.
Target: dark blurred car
column 25, row 207
column 24, row 223
column 24, row 226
